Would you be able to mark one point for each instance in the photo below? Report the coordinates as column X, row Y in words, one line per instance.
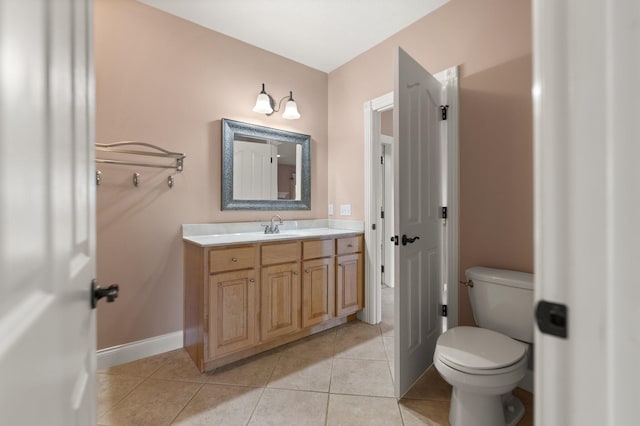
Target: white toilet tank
column 502, row 301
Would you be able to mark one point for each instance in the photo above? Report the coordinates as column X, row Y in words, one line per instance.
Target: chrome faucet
column 271, row 228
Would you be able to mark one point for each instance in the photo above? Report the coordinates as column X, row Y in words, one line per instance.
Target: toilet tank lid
column 506, row 277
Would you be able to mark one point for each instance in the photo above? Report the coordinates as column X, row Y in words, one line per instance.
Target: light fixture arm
column 273, row 102
column 291, row 111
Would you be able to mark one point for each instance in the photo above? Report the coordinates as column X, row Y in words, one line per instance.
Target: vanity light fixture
column 265, row 104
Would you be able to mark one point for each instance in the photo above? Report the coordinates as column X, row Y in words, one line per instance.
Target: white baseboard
column 527, row 382
column 133, row 351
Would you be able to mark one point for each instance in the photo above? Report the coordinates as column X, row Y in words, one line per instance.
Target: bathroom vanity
column 248, row 292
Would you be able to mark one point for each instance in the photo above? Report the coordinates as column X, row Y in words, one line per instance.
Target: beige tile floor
column 339, row 377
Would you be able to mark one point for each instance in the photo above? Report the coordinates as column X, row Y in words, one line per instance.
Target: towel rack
column 120, row 148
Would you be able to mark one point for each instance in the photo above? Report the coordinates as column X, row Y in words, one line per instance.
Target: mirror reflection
column 264, row 168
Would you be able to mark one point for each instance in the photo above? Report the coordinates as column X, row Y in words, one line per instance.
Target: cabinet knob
column 349, row 245
column 340, row 264
column 306, row 271
column 295, row 273
column 234, row 259
column 251, row 280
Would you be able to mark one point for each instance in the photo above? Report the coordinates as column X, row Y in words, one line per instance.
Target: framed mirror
column 264, row 168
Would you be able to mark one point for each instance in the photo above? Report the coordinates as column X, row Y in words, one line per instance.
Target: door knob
column 408, row 240
column 97, row 293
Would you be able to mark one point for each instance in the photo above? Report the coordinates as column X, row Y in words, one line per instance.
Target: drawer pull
column 234, row 259
column 349, row 245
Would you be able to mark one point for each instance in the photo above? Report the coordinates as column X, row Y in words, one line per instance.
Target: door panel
column 47, row 213
column 418, row 190
column 232, row 323
column 349, row 284
column 280, row 294
column 317, row 291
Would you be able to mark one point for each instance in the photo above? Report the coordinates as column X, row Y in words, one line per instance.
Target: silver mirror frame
column 229, row 129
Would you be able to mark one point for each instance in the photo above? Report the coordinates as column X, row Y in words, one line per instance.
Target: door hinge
column 443, row 213
column 271, row 160
column 443, row 310
column 381, row 214
column 382, row 268
column 373, row 226
column 443, row 111
column 381, row 159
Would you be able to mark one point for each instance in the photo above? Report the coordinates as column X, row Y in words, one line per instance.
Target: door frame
column 372, row 312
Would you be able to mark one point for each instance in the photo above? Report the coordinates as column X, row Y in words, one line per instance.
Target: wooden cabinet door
column 349, row 284
column 232, row 312
column 280, row 300
column 317, row 291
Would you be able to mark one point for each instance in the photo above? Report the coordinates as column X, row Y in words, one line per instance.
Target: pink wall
column 285, row 183
column 386, row 122
column 166, row 81
column 491, row 41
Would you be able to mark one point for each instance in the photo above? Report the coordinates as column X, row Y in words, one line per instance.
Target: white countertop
column 206, row 235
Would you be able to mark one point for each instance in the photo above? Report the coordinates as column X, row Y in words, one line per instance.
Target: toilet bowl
column 484, row 364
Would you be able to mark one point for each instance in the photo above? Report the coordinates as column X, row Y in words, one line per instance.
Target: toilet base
column 484, row 410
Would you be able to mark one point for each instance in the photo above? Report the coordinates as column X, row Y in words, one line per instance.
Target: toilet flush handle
column 467, row 283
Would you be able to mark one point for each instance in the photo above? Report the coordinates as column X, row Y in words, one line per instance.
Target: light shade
column 291, row 110
column 263, row 105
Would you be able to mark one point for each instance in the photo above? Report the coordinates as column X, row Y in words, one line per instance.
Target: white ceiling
column 322, row 34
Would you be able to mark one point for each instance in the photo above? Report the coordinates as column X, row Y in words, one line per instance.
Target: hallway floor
column 339, row 377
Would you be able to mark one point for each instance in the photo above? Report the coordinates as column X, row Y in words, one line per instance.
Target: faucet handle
column 266, row 228
column 276, row 230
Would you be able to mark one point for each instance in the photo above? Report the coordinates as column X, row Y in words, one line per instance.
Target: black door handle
column 97, row 293
column 406, row 239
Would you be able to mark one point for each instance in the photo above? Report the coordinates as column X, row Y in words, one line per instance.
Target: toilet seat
column 479, row 351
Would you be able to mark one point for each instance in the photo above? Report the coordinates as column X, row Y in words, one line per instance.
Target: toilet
column 484, row 364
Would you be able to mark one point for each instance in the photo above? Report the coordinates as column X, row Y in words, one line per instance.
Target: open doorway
column 379, row 198
column 385, row 196
column 381, row 288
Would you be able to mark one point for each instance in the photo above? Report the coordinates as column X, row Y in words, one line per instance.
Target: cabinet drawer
column 231, row 259
column 317, row 248
column 280, row 253
column 350, row 245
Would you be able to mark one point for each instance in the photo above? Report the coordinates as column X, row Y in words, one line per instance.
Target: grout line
column 188, row 402
column 256, row 406
column 326, row 413
column 114, row 404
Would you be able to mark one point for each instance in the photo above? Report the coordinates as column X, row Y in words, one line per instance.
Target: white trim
column 133, row 351
column 587, row 209
column 449, row 80
column 527, row 382
column 372, row 292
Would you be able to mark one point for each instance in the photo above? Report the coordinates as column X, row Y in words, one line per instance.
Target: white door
column 418, row 199
column 255, row 171
column 47, row 214
column 587, row 211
